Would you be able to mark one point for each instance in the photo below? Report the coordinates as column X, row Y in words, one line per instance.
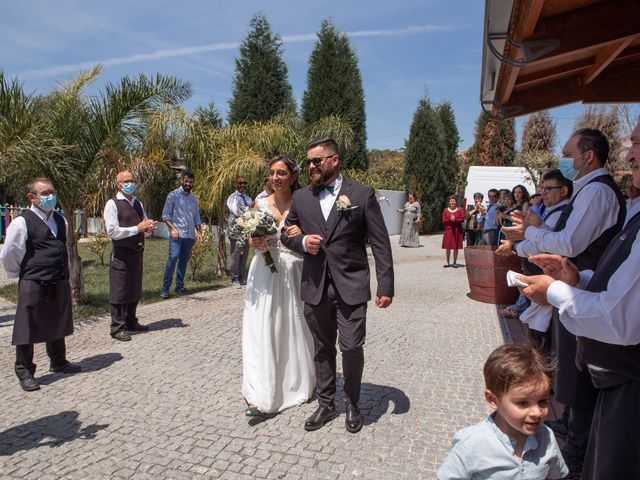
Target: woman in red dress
column 452, row 218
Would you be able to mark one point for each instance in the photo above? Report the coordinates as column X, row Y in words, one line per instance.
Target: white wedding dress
column 277, row 346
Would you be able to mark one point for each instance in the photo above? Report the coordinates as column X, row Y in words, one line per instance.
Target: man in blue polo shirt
column 181, row 213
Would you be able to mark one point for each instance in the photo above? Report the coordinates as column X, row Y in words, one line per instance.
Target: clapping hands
column 555, row 268
column 147, row 226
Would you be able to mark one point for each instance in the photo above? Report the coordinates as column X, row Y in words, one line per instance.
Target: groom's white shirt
column 327, row 199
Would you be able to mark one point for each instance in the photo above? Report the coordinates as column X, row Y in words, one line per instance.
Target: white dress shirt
column 15, row 243
column 610, row 316
column 594, row 212
column 110, row 215
column 536, row 316
column 526, row 248
column 328, row 199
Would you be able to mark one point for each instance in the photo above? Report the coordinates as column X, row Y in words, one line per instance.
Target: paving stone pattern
column 168, row 403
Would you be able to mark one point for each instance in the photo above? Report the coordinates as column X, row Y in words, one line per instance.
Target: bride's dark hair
column 291, row 166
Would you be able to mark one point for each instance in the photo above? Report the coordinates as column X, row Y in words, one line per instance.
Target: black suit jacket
column 343, row 250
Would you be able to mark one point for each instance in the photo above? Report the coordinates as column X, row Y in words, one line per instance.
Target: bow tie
column 318, row 188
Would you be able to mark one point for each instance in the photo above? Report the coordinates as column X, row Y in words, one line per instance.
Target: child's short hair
column 511, row 365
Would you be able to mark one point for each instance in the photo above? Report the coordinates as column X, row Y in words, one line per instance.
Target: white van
column 482, row 179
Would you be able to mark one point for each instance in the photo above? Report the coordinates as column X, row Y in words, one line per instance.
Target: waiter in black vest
column 601, row 308
column 593, row 216
column 126, row 225
column 35, row 250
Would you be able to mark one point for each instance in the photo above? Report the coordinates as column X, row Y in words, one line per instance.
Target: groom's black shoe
column 352, row 419
column 321, row 416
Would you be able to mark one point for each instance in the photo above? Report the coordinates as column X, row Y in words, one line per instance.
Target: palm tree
column 220, row 155
column 87, row 138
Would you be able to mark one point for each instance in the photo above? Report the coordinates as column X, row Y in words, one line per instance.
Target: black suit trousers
column 25, row 368
column 332, row 318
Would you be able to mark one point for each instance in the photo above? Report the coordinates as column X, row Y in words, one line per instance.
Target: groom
column 338, row 217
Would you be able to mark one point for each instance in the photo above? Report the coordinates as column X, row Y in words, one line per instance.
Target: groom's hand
column 312, row 243
column 383, row 301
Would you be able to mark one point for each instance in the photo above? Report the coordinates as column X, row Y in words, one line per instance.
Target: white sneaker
column 236, row 285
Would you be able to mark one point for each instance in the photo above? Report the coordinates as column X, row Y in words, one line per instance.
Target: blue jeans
column 179, row 252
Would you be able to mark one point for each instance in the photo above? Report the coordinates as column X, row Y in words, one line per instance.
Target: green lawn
column 96, row 277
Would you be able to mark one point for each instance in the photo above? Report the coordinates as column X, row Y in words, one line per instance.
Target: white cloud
column 198, row 49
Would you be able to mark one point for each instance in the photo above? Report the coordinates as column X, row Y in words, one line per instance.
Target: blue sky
column 406, row 49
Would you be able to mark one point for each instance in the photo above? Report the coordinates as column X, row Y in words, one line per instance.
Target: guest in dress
column 452, row 218
column 409, row 234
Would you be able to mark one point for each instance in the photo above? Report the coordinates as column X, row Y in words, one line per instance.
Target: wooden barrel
column 487, row 274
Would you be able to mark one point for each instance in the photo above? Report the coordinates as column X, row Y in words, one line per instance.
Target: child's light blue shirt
column 483, row 451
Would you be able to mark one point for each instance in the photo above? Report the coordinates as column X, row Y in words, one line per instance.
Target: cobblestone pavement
column 168, row 403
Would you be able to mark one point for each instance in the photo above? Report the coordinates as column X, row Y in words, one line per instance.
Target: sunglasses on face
column 316, row 160
column 242, row 184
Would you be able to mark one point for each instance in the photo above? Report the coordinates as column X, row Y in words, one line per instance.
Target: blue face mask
column 567, row 168
column 48, row 202
column 129, row 188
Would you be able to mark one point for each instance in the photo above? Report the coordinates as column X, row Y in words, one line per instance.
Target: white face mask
column 567, row 168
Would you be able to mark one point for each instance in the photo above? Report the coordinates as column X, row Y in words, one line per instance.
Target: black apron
column 125, row 270
column 44, row 310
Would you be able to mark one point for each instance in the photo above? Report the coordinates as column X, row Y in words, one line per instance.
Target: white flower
column 343, row 203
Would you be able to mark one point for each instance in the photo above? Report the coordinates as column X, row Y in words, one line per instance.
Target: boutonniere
column 343, row 204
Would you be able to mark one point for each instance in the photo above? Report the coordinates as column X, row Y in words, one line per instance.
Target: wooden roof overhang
column 540, row 54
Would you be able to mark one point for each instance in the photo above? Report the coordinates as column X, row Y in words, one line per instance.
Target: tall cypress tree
column 334, row 87
column 261, row 89
column 452, row 140
column 495, row 141
column 426, row 162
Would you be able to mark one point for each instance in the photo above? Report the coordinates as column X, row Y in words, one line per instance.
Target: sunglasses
column 242, row 183
column 316, row 160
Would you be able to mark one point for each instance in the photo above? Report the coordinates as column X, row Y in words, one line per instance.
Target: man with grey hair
column 35, row 251
column 594, row 215
column 600, row 306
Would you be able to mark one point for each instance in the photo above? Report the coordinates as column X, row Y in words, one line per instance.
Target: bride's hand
column 293, row 230
column 259, row 243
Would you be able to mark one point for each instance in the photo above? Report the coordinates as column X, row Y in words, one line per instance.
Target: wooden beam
column 603, row 58
column 522, row 25
column 614, row 84
column 618, row 83
column 551, row 74
column 561, row 92
column 596, row 25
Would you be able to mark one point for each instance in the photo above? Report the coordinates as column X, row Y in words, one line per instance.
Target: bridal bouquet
column 253, row 223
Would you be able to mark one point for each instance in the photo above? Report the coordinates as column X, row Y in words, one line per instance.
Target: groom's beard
column 320, row 177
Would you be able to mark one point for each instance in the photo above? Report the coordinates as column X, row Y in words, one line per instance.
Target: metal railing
column 10, row 212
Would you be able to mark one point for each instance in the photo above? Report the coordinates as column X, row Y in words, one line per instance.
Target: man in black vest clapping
column 593, row 216
column 601, row 308
column 126, row 225
column 35, row 250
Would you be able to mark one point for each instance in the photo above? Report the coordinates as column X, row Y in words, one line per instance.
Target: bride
column 277, row 346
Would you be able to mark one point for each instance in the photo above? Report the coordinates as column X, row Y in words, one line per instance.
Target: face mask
column 567, row 168
column 129, row 188
column 48, row 202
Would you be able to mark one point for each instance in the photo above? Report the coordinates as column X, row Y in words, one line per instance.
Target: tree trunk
column 76, row 278
column 221, row 266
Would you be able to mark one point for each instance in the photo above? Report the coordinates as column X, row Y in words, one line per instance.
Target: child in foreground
column 513, row 442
